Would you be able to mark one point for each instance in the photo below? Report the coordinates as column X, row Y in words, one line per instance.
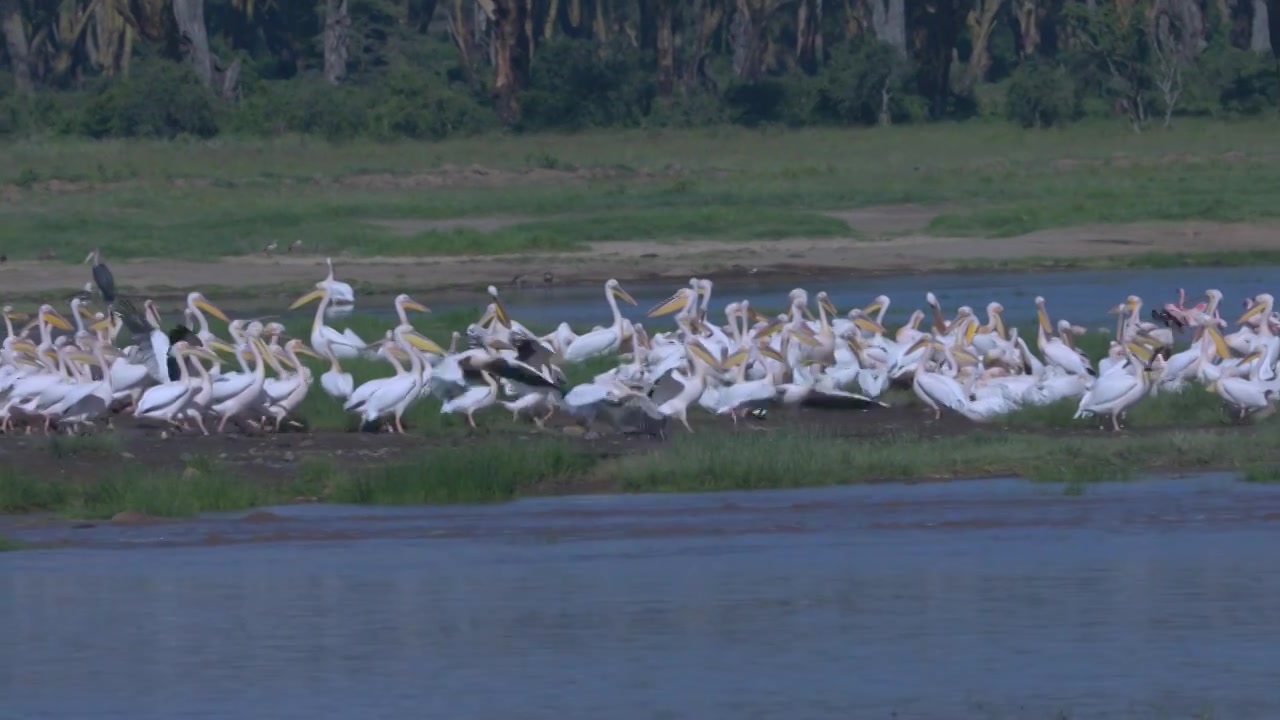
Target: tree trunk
column 980, row 26
column 809, row 34
column 708, row 15
column 889, row 22
column 1028, row 26
column 1260, row 37
column 507, row 20
column 337, row 28
column 189, row 14
column 549, row 25
column 15, row 43
column 460, row 31
column 665, row 40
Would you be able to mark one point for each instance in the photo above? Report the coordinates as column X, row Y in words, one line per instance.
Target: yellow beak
column 700, row 352
column 828, row 306
column 501, row 313
column 869, row 325
column 99, row 326
column 210, row 308
column 56, row 320
column 309, row 297
column 84, row 312
column 203, row 354
column 415, row 305
column 1043, row 317
column 626, row 296
column 424, row 344
column 872, row 309
column 672, row 304
column 304, row 350
column 1255, row 310
column 770, row 353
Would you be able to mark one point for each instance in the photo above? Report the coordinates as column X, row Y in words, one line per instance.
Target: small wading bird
column 76, row 373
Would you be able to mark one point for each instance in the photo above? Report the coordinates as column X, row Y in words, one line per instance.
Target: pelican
column 605, row 340
column 324, row 339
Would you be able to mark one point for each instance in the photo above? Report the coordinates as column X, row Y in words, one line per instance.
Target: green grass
column 205, row 199
column 499, row 469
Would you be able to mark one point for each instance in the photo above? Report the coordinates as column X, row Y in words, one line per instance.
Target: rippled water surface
column 1000, row 599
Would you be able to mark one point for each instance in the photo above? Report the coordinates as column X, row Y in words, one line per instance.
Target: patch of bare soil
column 797, row 258
column 883, row 221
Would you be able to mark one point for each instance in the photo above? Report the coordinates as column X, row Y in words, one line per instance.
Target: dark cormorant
column 102, row 277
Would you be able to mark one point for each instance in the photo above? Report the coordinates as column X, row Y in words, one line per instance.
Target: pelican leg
column 399, row 427
column 684, row 418
column 1115, row 422
column 471, row 421
column 200, row 423
column 222, row 426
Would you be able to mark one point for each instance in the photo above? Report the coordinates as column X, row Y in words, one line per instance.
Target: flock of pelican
column 187, row 377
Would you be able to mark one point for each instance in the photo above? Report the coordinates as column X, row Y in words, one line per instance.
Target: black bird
column 176, row 335
column 102, row 277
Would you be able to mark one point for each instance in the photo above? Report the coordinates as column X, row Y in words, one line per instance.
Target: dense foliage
column 434, row 68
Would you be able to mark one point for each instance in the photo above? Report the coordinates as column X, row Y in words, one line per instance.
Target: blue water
column 1080, row 296
column 991, row 599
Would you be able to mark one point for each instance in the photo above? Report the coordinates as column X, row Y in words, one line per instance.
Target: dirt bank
column 889, row 240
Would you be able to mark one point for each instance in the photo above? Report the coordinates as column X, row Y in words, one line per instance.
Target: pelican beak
column 1043, row 317
column 808, row 314
column 304, row 350
column 417, row 306
column 84, row 312
column 100, row 325
column 869, row 325
column 501, row 313
column 769, row 330
column 1219, row 344
column 203, row 354
column 772, row 354
column 17, row 316
column 700, row 351
column 56, row 320
column 624, row 295
column 425, row 344
column 309, row 297
column 970, row 332
column 82, row 358
column 1000, row 331
column 921, row 343
column 222, row 347
column 872, row 309
column 1117, row 309
column 828, row 306
column 735, row 359
column 804, row 338
column 1255, row 310
column 210, row 308
column 489, row 314
column 675, row 303
column 756, row 315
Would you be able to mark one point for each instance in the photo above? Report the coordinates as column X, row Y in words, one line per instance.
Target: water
column 1080, row 296
column 1000, row 599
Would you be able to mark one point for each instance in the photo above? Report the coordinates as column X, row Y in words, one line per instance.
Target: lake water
column 982, row 599
column 1080, row 296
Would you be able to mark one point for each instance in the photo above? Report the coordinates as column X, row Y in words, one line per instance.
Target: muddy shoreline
column 802, row 260
column 277, row 460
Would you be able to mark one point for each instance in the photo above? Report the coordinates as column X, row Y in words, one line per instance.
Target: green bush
column 159, row 99
column 1040, row 95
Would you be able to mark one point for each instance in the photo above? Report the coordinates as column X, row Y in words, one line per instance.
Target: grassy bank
column 560, row 192
column 497, row 469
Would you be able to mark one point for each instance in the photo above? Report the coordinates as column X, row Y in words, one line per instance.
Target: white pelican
column 605, row 340
column 475, row 398
column 324, row 339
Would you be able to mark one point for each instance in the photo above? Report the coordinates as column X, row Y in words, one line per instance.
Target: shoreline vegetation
column 133, row 470
column 957, row 196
